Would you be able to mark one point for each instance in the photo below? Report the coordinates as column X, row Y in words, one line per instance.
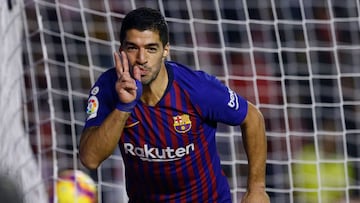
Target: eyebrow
column 146, row 45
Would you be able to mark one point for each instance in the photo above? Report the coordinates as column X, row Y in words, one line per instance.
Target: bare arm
column 253, row 131
column 98, row 143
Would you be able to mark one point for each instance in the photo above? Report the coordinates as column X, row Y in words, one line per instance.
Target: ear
column 166, row 50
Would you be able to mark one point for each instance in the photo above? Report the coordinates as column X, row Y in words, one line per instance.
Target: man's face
column 145, row 50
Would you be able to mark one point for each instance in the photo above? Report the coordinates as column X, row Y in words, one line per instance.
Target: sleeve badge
column 92, row 107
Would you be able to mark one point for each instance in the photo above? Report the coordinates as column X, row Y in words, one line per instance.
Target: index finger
column 118, row 64
column 125, row 61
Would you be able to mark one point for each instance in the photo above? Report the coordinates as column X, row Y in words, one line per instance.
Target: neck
column 153, row 92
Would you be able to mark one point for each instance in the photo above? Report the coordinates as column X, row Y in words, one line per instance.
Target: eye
column 131, row 48
column 152, row 49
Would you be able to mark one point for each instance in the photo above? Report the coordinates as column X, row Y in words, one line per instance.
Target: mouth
column 144, row 71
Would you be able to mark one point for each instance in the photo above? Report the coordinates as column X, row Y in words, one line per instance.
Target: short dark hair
column 145, row 19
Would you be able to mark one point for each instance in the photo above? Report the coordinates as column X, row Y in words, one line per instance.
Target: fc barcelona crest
column 182, row 123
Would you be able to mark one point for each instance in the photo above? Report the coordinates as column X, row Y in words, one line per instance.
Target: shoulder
column 105, row 82
column 184, row 74
column 196, row 83
column 108, row 75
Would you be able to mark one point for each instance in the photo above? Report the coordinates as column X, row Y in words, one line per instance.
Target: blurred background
column 297, row 60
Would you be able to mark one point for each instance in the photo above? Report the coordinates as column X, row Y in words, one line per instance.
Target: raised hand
column 128, row 88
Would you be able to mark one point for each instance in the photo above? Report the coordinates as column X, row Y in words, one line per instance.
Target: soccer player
column 163, row 117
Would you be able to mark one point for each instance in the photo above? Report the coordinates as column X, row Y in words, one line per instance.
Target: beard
column 148, row 79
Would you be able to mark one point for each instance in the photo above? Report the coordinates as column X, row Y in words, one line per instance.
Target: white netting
column 17, row 162
column 297, row 60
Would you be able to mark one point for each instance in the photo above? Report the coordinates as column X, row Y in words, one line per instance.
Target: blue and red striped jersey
column 169, row 150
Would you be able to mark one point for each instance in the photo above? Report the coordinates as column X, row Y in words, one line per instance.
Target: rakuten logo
column 147, row 153
column 234, row 101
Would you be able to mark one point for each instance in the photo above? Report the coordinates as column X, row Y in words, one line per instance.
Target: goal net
column 298, row 61
column 20, row 180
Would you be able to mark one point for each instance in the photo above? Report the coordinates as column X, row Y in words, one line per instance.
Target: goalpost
column 298, row 61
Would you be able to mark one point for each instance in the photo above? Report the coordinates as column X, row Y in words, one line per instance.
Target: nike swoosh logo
column 132, row 124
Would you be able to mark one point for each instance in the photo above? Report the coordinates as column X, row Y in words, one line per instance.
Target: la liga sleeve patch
column 92, row 107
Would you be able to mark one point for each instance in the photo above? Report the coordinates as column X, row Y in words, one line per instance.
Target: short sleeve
column 101, row 100
column 215, row 101
column 218, row 102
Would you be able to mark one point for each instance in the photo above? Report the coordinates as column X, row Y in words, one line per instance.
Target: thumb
column 137, row 73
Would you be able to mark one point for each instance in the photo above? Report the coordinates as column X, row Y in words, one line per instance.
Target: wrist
column 256, row 187
column 128, row 107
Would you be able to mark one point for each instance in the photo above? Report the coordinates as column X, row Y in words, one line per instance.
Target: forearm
column 254, row 138
column 98, row 143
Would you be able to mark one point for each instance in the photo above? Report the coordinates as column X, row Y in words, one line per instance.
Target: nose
column 141, row 58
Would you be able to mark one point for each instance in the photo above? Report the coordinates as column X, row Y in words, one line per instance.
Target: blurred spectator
column 9, row 190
